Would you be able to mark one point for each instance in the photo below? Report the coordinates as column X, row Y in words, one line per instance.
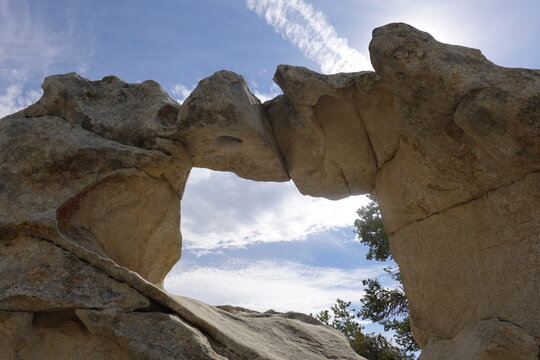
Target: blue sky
column 259, row 245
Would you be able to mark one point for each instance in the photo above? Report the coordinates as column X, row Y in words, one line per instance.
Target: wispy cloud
column 309, row 30
column 272, row 93
column 29, row 49
column 82, row 68
column 221, row 210
column 180, row 92
column 27, row 44
column 14, row 99
column 263, row 285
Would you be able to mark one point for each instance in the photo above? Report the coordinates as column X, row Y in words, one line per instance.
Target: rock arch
column 447, row 140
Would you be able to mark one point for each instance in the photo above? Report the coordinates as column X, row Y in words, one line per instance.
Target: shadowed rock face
column 321, row 133
column 91, row 179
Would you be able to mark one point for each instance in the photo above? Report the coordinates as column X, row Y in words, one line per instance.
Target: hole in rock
column 226, row 140
column 263, row 245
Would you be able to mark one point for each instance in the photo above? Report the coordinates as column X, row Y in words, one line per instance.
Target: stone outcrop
column 313, row 122
column 55, row 280
column 72, row 303
column 224, row 128
column 91, row 179
column 90, row 160
column 485, row 340
column 460, row 197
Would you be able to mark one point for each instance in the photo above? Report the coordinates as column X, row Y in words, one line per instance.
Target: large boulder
column 55, row 306
column 69, row 173
column 321, row 134
column 49, row 279
column 223, row 127
column 491, row 339
column 460, row 197
column 450, row 144
column 97, row 167
column 139, row 114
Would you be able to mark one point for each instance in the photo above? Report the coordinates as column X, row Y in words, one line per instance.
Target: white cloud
column 27, row 45
column 28, row 50
column 82, row 68
column 14, row 99
column 308, row 29
column 265, row 96
column 263, row 285
column 221, row 210
column 180, row 92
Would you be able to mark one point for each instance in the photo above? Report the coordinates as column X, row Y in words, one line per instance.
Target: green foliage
column 371, row 346
column 370, row 231
column 377, row 347
column 386, row 306
column 380, row 303
column 342, row 319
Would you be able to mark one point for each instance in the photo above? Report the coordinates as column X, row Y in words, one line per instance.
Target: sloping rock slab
column 39, row 276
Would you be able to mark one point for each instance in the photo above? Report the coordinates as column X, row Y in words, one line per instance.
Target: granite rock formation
column 223, row 128
column 91, row 179
column 460, row 196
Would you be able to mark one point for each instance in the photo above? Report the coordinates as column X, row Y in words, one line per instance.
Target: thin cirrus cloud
column 27, row 44
column 269, row 284
column 14, row 99
column 265, row 96
column 28, row 49
column 309, row 30
column 221, row 210
column 180, row 92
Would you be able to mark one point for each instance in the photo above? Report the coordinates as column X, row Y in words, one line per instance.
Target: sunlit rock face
column 91, row 179
column 92, row 161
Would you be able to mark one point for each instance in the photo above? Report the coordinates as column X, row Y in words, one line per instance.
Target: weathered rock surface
column 126, row 226
column 99, row 325
column 54, row 280
column 131, row 114
column 223, row 128
column 467, row 126
column 321, row 133
column 100, row 334
column 456, row 144
column 90, row 188
column 68, row 171
column 485, row 340
column 448, row 141
column 252, row 335
column 460, row 197
column 490, row 267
